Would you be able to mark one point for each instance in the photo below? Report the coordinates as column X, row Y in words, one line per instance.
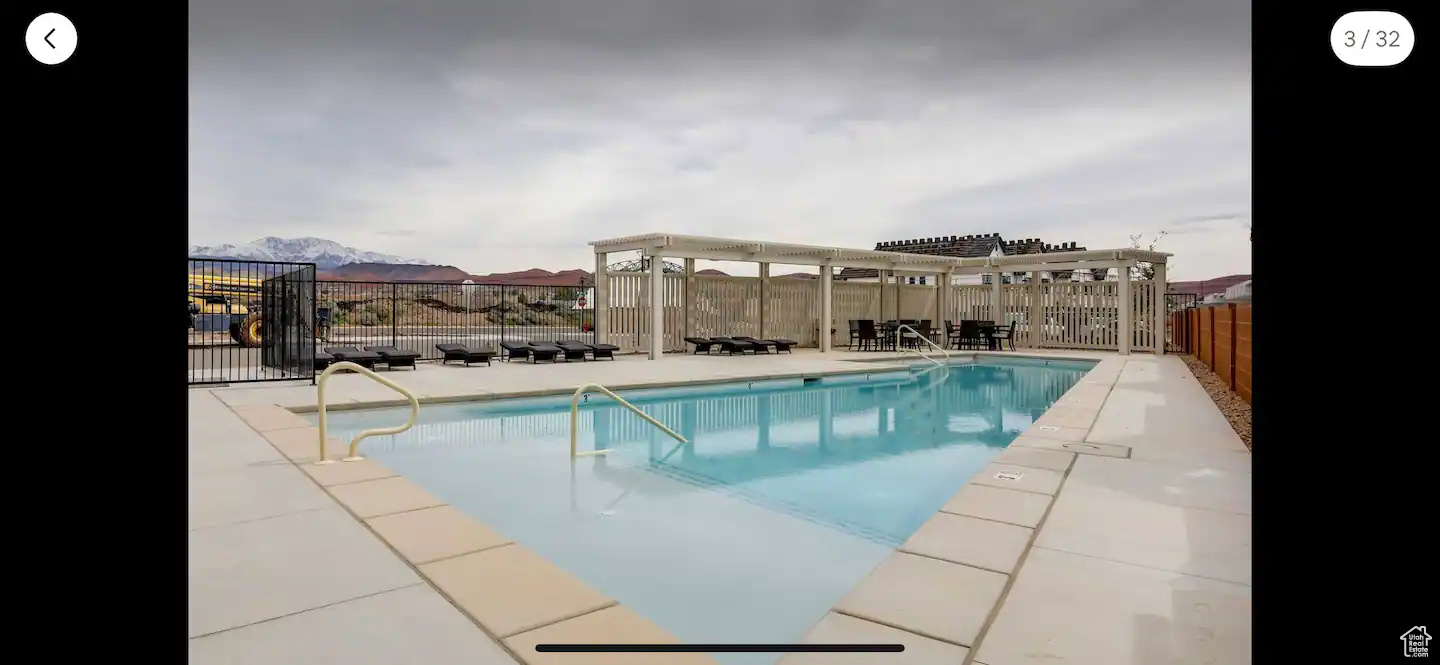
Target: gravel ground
column 1230, row 403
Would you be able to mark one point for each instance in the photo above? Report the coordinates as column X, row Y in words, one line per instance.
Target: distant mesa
column 325, row 254
column 334, row 261
column 1206, row 287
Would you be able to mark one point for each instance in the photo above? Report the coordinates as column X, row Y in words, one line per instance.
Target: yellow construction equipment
column 220, row 303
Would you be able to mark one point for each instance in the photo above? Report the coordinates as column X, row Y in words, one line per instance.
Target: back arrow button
column 51, row 38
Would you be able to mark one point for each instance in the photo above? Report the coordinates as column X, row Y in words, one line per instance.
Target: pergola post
column 1126, row 332
column 1162, row 308
column 1037, row 311
column 657, row 307
column 942, row 298
column 827, row 278
column 997, row 311
column 882, row 279
column 764, row 297
column 689, row 298
column 601, row 306
column 897, row 280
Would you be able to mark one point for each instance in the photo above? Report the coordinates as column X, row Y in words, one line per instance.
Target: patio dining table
column 885, row 330
column 987, row 330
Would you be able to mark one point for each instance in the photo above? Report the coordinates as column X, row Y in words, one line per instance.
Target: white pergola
column 660, row 246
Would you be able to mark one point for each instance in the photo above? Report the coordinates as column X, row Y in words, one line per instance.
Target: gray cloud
column 428, row 128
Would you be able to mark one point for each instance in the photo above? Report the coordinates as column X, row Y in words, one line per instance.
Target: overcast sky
column 500, row 135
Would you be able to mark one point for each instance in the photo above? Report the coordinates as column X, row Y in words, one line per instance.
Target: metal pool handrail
column 574, row 500
column 936, row 368
column 918, row 352
column 355, row 443
column 575, row 418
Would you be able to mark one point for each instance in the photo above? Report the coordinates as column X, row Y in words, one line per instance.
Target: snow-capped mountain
column 325, row 254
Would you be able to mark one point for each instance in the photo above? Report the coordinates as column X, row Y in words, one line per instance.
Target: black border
column 99, row 195
column 1343, row 500
column 1344, row 458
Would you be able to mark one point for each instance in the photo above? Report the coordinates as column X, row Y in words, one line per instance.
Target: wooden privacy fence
column 1083, row 315
column 1220, row 337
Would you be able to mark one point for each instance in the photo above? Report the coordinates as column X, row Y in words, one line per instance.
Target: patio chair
column 986, row 328
column 730, row 346
column 323, row 360
column 952, row 335
column 393, row 357
column 868, row 335
column 910, row 337
column 1002, row 334
column 702, row 344
column 854, row 333
column 464, row 354
column 514, row 350
column 352, row 354
column 927, row 329
column 968, row 336
column 571, row 350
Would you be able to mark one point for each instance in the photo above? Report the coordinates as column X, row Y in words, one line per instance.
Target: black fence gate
column 1177, row 338
column 416, row 316
column 251, row 321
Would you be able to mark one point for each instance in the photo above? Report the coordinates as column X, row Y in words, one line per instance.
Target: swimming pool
column 789, row 493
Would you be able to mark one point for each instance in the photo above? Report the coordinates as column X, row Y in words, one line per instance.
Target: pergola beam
column 730, row 249
column 784, row 259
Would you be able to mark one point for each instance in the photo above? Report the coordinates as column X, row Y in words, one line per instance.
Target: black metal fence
column 418, row 315
column 263, row 320
column 1175, row 302
column 1177, row 338
column 250, row 321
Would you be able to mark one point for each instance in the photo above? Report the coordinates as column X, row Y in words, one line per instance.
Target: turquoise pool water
column 789, row 493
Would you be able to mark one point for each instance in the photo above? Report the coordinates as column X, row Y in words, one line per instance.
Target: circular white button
column 51, row 38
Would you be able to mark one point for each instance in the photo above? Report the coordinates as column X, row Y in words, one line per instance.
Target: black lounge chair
column 514, row 350
column 351, row 354
column 603, row 351
column 780, row 344
column 323, row 360
column 760, row 344
column 464, row 353
column 393, row 357
column 547, row 352
column 597, row 351
column 702, row 344
column 570, row 349
column 730, row 345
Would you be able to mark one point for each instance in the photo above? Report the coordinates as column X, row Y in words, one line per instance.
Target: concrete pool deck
column 1115, row 530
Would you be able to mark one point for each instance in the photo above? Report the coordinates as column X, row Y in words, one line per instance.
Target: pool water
column 787, row 495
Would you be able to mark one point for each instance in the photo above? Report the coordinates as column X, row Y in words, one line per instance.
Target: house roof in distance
column 970, row 246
